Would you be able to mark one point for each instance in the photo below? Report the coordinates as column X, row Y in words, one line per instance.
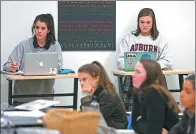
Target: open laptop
column 131, row 58
column 45, row 63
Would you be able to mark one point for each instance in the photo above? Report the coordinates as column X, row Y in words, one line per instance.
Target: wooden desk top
column 165, row 72
column 58, row 76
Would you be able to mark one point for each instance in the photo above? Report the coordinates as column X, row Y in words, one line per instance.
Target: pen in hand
column 14, row 65
column 11, row 60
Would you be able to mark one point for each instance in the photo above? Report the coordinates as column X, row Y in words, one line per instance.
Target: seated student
column 154, row 108
column 94, row 80
column 187, row 123
column 43, row 40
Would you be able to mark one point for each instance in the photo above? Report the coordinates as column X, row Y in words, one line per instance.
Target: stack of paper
column 24, row 113
column 37, row 105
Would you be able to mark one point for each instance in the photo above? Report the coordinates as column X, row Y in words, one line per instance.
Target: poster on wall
column 87, row 25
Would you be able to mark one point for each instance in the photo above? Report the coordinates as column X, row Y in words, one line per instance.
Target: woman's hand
column 14, row 67
column 164, row 131
column 87, row 87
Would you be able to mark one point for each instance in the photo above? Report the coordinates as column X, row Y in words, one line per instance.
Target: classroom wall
column 175, row 20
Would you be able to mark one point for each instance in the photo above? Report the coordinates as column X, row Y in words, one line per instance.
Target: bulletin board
column 87, row 25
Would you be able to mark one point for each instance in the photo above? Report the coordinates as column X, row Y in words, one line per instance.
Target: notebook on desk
column 131, row 58
column 19, row 121
column 45, row 63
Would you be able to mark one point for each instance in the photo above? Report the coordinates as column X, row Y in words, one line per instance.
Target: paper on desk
column 37, row 104
column 24, row 113
column 12, row 73
column 128, row 112
column 125, row 131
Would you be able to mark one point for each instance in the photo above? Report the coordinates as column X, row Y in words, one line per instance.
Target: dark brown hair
column 155, row 79
column 192, row 79
column 48, row 19
column 96, row 69
column 147, row 12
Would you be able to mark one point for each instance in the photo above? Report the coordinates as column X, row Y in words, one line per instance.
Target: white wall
column 175, row 20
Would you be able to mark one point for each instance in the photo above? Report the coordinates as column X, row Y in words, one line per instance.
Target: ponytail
column 104, row 80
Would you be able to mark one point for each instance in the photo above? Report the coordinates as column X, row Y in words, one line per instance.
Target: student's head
column 43, row 28
column 94, row 74
column 148, row 73
column 187, row 95
column 146, row 23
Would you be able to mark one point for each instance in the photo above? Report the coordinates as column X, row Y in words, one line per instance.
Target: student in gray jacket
column 43, row 40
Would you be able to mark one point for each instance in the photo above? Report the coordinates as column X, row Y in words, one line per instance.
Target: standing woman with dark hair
column 43, row 40
column 94, row 80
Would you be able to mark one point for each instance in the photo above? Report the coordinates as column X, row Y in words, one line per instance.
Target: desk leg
column 120, row 86
column 10, row 92
column 130, row 86
column 75, row 97
column 181, row 79
column 123, row 85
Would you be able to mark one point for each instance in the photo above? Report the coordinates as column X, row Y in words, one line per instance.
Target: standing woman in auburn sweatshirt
column 146, row 38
